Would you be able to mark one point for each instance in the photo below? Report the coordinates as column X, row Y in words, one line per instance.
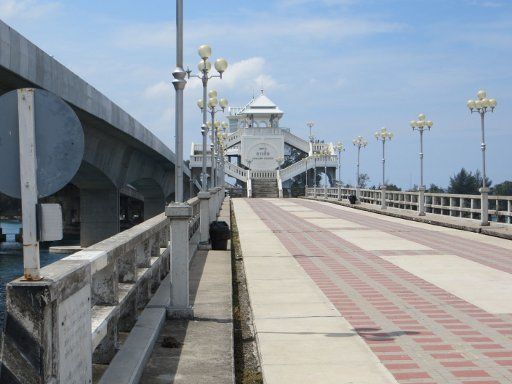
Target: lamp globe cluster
column 482, row 104
column 421, row 123
column 383, row 134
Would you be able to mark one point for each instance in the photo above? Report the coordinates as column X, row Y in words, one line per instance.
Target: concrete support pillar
column 484, row 206
column 421, row 201
column 212, row 213
column 204, row 219
column 153, row 206
column 179, row 215
column 383, row 204
column 99, row 215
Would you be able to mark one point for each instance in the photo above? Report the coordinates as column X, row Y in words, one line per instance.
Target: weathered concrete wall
column 48, row 337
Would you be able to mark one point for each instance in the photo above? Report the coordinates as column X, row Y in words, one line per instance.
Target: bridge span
column 346, row 295
column 119, row 151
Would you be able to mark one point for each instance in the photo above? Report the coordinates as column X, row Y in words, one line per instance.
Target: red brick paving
column 421, row 333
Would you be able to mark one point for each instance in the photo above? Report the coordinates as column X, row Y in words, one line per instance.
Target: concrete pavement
column 347, row 296
column 203, row 347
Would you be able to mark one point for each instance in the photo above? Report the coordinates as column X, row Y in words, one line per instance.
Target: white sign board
column 49, row 218
column 75, row 338
column 260, row 152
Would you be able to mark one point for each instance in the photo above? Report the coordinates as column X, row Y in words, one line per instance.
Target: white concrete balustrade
column 72, row 318
column 456, row 205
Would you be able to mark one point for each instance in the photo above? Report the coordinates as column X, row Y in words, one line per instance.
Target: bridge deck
column 342, row 295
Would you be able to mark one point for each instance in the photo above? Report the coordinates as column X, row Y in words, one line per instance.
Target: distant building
column 257, row 146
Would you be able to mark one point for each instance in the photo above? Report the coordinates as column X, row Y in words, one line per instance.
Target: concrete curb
column 128, row 364
column 426, row 220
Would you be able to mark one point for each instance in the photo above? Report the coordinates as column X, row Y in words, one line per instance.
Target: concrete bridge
column 119, row 151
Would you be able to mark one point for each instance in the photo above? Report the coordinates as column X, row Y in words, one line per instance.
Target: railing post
column 339, row 192
column 484, row 206
column 421, row 201
column 204, row 219
column 179, row 215
column 211, row 206
column 325, row 192
column 383, row 197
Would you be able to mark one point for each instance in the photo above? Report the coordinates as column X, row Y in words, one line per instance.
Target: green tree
column 435, row 189
column 364, row 179
column 466, row 182
column 503, row 189
column 393, row 187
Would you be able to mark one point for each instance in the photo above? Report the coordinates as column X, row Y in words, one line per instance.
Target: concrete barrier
column 56, row 328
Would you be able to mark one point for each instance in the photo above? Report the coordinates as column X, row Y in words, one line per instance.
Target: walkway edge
column 128, row 364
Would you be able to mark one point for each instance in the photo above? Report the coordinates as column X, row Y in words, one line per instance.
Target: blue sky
column 351, row 66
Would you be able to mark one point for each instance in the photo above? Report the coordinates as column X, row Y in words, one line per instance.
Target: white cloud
column 249, row 74
column 27, row 9
column 158, row 90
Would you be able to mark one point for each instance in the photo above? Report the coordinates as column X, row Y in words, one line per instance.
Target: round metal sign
column 59, row 143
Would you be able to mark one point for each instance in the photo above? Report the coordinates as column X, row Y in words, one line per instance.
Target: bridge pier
column 153, row 206
column 99, row 214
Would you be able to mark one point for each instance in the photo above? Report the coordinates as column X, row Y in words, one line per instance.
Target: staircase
column 264, row 188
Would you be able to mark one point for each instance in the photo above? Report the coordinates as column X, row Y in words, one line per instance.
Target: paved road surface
column 345, row 296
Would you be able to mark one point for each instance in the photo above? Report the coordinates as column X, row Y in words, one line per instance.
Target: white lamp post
column 204, row 68
column 359, row 142
column 483, row 105
column 340, row 148
column 383, row 135
column 212, row 107
column 310, row 125
column 420, row 125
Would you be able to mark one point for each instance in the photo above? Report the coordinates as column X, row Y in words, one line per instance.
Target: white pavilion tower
column 262, row 155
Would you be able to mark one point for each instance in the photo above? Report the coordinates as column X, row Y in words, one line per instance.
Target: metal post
column 179, row 84
column 339, row 166
column 28, row 178
column 358, row 186
column 484, row 191
column 383, row 187
column 383, row 162
column 204, row 130
column 421, row 210
column 213, row 150
column 306, row 172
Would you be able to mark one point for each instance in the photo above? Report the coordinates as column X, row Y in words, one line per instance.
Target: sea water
column 11, row 260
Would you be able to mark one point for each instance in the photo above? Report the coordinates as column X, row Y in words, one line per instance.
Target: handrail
column 455, row 205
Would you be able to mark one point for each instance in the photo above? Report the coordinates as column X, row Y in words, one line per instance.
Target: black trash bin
column 352, row 199
column 219, row 235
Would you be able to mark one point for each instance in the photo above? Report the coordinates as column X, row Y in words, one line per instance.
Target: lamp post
column 204, row 68
column 221, row 153
column 383, row 135
column 359, row 142
column 420, row 125
column 179, row 84
column 339, row 148
column 310, row 125
column 483, row 105
column 212, row 107
column 325, row 153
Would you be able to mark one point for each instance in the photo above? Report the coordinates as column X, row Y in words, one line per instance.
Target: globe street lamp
column 359, row 142
column 204, row 68
column 483, row 105
column 310, row 125
column 339, row 148
column 212, row 106
column 420, row 125
column 383, row 135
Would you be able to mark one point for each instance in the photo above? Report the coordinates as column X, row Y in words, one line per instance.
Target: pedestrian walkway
column 341, row 295
column 199, row 350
